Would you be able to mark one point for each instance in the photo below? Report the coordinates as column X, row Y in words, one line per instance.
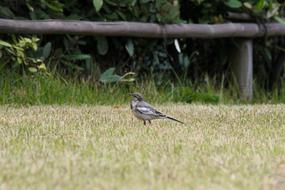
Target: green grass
column 46, row 90
column 104, row 147
column 39, row 90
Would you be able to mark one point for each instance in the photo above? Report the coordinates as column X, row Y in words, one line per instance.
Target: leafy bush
column 89, row 57
column 24, row 52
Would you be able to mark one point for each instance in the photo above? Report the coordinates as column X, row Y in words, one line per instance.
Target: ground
column 105, row 147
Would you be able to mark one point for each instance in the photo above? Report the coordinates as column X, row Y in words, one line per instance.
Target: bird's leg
column 149, row 121
column 144, row 122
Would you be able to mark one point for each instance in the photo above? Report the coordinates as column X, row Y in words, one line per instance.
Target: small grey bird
column 143, row 111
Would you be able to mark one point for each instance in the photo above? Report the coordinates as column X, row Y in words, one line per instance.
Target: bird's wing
column 147, row 109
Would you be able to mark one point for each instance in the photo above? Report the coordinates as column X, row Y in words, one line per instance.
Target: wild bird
column 143, row 111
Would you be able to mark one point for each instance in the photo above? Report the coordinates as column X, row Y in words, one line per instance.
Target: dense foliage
column 96, row 57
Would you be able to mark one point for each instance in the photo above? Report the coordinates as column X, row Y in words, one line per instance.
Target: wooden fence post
column 242, row 60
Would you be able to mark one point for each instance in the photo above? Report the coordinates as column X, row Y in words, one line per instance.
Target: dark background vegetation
column 77, row 69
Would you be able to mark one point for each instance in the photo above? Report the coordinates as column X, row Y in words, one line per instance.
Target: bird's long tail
column 174, row 119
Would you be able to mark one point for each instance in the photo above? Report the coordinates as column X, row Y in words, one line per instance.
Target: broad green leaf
column 108, row 72
column 102, row 45
column 177, row 46
column 280, row 20
column 247, row 5
column 273, row 11
column 54, row 5
column 32, row 69
column 78, row 56
column 46, row 50
column 130, row 47
column 134, row 2
column 36, row 60
column 6, row 44
column 234, row 3
column 97, row 4
column 260, row 5
column 6, row 12
column 109, row 77
column 30, row 7
column 42, row 67
column 112, row 16
column 270, row 5
column 122, row 15
column 40, row 14
column 184, row 60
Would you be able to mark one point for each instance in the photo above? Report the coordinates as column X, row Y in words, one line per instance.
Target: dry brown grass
column 220, row 147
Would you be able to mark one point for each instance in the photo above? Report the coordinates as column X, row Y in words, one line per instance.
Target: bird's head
column 137, row 96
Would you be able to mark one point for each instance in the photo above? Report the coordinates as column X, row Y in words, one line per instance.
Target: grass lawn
column 105, row 147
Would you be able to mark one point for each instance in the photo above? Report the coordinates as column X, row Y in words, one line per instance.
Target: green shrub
column 89, row 57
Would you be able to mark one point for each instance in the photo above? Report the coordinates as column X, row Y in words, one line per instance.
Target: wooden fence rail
column 138, row 29
column 242, row 57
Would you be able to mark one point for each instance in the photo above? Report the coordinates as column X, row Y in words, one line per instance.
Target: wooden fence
column 242, row 53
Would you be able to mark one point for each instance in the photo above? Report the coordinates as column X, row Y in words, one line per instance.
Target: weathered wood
column 137, row 29
column 242, row 62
